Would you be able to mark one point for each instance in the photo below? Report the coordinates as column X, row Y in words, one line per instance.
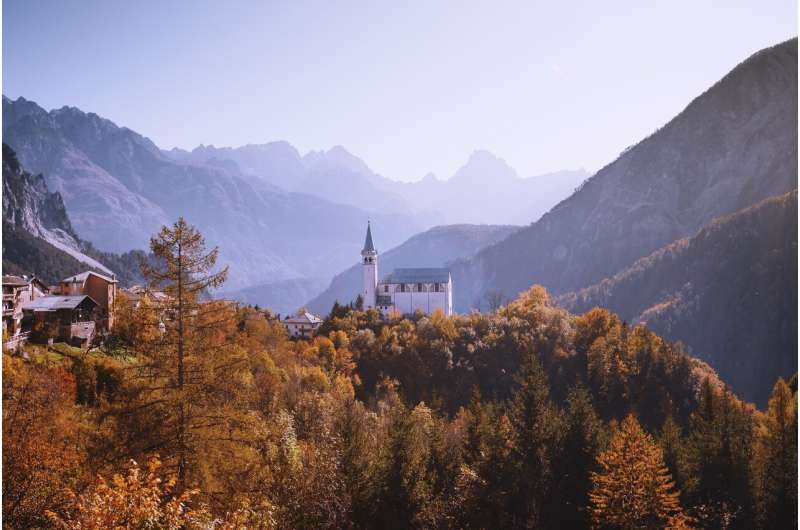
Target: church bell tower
column 369, row 262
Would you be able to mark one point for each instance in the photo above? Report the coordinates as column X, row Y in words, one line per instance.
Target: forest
column 204, row 414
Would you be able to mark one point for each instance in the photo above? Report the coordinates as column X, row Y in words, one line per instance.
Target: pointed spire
column 368, row 246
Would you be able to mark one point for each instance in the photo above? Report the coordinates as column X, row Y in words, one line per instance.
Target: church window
column 385, row 288
column 402, row 287
column 419, row 287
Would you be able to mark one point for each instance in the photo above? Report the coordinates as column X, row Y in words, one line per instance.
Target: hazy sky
column 410, row 87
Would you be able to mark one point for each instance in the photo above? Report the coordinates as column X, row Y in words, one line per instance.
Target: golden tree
column 197, row 382
column 633, row 488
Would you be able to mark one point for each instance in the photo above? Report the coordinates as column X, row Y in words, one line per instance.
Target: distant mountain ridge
column 436, row 247
column 119, row 189
column 485, row 190
column 729, row 293
column 733, row 146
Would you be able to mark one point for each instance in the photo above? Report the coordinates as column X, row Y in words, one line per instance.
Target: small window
column 402, row 287
column 419, row 287
column 385, row 288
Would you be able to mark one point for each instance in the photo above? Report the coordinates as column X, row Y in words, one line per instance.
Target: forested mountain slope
column 731, row 147
column 729, row 294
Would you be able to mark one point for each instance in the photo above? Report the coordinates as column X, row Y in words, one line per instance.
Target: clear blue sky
column 410, row 87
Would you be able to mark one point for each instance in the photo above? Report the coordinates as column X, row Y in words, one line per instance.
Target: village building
column 302, row 325
column 101, row 288
column 137, row 293
column 69, row 318
column 17, row 290
column 405, row 290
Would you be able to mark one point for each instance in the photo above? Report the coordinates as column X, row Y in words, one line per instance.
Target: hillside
column 729, row 294
column 119, row 188
column 38, row 237
column 434, row 248
column 733, row 146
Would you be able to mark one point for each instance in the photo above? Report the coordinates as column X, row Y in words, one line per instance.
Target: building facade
column 101, row 288
column 303, row 325
column 405, row 290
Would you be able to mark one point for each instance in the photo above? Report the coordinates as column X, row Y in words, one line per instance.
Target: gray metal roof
column 54, row 303
column 418, row 275
column 80, row 278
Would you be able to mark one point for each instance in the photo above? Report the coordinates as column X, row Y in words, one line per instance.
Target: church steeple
column 368, row 246
column 369, row 262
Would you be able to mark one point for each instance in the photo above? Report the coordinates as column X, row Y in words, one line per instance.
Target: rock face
column 29, row 206
column 733, row 146
column 433, row 248
column 119, row 189
column 729, row 294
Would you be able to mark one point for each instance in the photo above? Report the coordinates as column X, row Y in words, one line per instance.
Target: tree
column 633, row 488
column 536, row 433
column 775, row 461
column 584, row 438
column 194, row 370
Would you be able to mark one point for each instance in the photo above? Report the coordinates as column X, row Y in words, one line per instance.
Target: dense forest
column 729, row 293
column 204, row 414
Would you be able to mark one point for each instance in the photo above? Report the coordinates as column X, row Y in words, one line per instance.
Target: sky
column 410, row 87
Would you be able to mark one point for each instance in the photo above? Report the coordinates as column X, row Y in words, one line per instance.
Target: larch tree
column 195, row 374
column 633, row 488
column 775, row 460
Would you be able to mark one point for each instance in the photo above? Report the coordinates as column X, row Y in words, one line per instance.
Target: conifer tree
column 536, row 431
column 192, row 371
column 633, row 488
column 584, row 438
column 776, row 460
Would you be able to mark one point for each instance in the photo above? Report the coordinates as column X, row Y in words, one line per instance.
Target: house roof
column 418, row 275
column 82, row 277
column 10, row 279
column 54, row 303
column 368, row 246
column 304, row 318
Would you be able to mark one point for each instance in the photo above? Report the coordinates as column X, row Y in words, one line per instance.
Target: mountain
column 334, row 175
column 731, row 147
column 487, row 190
column 119, row 188
column 484, row 190
column 433, row 248
column 282, row 296
column 38, row 237
column 729, row 294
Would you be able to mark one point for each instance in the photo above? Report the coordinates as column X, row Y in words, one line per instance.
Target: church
column 405, row 290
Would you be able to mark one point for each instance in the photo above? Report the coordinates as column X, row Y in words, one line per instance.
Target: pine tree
column 633, row 488
column 536, row 435
column 584, row 438
column 776, row 460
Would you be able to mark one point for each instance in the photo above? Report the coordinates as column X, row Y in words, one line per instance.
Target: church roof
column 418, row 275
column 368, row 246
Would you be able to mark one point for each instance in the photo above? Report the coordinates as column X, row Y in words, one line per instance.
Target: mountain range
column 678, row 232
column 732, row 146
column 119, row 189
column 484, row 190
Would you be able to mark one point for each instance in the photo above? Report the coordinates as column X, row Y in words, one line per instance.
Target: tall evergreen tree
column 537, row 430
column 776, row 460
